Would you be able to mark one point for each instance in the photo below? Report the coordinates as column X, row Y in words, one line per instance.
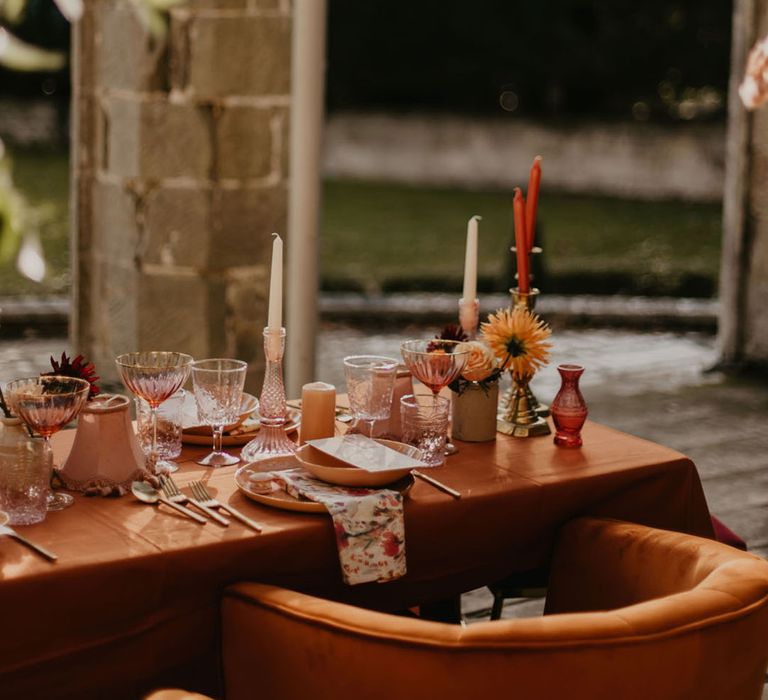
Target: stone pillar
column 743, row 335
column 179, row 159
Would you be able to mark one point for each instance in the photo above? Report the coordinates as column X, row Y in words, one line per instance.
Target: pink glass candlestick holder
column 569, row 410
column 271, row 440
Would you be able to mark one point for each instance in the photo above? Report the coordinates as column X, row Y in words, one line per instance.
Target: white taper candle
column 275, row 315
column 470, row 261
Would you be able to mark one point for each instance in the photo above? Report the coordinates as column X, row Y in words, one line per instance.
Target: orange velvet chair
column 632, row 613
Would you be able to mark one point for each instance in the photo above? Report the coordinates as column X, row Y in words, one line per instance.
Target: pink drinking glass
column 46, row 404
column 154, row 376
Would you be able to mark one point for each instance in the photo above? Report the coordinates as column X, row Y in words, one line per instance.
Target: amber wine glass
column 46, row 404
column 154, row 376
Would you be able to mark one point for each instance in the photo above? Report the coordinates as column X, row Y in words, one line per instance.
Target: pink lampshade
column 106, row 455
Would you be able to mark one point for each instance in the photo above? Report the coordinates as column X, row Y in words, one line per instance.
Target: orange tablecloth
column 132, row 602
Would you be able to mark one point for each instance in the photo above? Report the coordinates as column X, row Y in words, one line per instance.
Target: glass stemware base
column 163, row 466
column 218, row 459
column 58, row 501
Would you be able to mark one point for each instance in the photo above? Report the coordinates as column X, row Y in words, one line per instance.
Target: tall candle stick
column 532, row 202
column 470, row 261
column 275, row 315
column 520, row 242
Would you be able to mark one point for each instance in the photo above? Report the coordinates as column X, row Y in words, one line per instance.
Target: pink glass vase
column 569, row 410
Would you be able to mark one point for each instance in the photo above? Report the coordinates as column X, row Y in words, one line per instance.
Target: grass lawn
column 393, row 237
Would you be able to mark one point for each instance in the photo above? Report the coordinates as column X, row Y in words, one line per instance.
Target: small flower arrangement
column 481, row 368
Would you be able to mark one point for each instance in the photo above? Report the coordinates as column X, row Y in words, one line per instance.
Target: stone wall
column 640, row 161
column 179, row 158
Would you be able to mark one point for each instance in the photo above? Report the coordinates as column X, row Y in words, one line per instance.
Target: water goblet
column 370, row 382
column 218, row 385
column 46, row 404
column 154, row 376
column 435, row 363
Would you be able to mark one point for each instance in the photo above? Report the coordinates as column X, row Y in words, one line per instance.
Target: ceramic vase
column 474, row 413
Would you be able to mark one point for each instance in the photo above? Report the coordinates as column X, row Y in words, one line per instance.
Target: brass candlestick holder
column 519, row 409
column 520, row 419
column 526, row 300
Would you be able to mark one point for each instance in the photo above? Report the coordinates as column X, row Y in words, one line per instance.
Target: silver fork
column 204, row 497
column 174, row 495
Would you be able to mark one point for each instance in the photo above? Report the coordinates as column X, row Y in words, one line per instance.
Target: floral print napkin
column 369, row 525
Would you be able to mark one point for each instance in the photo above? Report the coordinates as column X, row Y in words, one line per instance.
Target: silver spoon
column 144, row 492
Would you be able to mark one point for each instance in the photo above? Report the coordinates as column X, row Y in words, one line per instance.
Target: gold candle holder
column 526, row 300
column 520, row 419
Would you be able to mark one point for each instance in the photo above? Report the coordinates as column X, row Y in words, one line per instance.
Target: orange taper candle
column 532, row 201
column 520, row 242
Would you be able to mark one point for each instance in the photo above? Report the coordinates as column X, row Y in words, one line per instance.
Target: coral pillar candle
column 523, row 281
column 318, row 411
column 470, row 261
column 532, row 202
column 275, row 315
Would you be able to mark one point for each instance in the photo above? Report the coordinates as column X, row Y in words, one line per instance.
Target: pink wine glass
column 435, row 363
column 154, row 376
column 46, row 404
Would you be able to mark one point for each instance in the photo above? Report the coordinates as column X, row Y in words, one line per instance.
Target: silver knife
column 239, row 516
column 42, row 551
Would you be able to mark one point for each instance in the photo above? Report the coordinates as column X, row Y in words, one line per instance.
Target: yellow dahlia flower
column 518, row 338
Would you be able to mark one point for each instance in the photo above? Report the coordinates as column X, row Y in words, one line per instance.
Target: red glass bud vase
column 569, row 410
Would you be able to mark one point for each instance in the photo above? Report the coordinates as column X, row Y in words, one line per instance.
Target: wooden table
column 132, row 602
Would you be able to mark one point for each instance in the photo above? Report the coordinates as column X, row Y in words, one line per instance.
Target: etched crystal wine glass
column 218, row 385
column 154, row 376
column 370, row 382
column 46, row 404
column 435, row 363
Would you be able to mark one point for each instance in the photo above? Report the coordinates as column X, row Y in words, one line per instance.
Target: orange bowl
column 334, row 471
